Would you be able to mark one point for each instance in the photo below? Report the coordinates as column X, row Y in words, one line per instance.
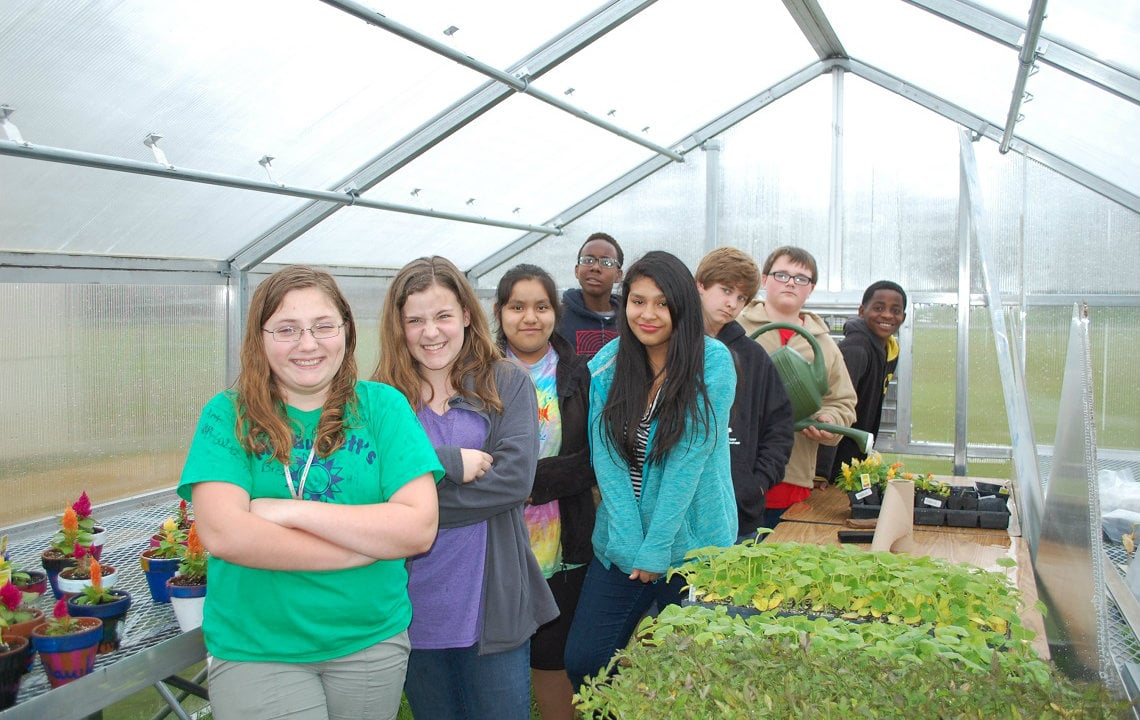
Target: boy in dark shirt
column 871, row 354
column 590, row 316
column 760, row 427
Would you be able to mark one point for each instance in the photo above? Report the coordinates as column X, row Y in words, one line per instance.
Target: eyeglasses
column 783, row 277
column 320, row 331
column 590, row 260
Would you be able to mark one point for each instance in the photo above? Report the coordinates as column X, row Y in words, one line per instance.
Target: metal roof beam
column 690, row 142
column 442, row 126
column 518, row 81
column 171, row 172
column 1055, row 53
column 816, row 28
column 983, row 127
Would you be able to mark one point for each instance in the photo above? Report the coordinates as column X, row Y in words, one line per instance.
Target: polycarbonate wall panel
column 900, row 192
column 1079, row 241
column 1116, row 394
column 933, row 368
column 1002, row 181
column 775, row 176
column 102, row 389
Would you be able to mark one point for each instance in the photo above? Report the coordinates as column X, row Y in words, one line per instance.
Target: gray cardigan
column 516, row 598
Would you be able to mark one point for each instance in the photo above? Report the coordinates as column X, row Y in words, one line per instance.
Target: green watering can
column 806, row 384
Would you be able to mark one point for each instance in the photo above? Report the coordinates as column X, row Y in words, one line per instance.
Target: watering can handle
column 818, row 366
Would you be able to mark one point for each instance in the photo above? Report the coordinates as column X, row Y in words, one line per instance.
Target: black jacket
column 584, row 329
column 568, row 476
column 870, row 371
column 760, row 432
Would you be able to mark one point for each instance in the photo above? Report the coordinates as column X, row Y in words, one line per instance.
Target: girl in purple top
column 478, row 594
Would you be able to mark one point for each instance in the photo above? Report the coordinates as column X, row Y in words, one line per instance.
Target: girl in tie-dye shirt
column 560, row 512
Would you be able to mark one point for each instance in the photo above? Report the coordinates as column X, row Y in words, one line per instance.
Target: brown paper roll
column 895, row 529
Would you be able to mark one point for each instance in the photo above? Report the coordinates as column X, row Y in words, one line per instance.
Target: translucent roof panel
column 496, row 32
column 924, row 50
column 1109, row 29
column 1083, row 124
column 225, row 84
column 675, row 66
column 525, row 161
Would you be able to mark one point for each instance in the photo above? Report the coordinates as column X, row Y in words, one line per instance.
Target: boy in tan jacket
column 788, row 279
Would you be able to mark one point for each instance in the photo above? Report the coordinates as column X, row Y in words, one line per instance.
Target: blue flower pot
column 68, row 657
column 112, row 614
column 158, row 571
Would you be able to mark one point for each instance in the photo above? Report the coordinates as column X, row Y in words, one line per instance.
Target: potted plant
column 865, row 480
column 31, row 582
column 67, row 645
column 61, row 553
column 930, row 499
column 160, row 562
column 187, row 589
column 17, row 616
column 108, row 605
column 183, row 522
column 72, row 580
column 13, row 665
column 91, row 533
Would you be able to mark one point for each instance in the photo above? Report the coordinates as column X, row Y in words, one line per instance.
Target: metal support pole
column 1025, row 59
column 712, row 150
column 962, row 383
column 835, row 203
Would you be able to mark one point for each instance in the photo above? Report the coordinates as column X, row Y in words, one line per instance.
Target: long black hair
column 683, row 394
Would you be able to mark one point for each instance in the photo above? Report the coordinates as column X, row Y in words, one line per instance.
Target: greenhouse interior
column 158, row 160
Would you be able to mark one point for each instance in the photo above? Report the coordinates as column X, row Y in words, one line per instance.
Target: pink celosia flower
column 60, row 609
column 82, row 506
column 80, row 551
column 11, row 596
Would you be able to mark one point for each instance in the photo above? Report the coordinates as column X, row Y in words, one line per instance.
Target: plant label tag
column 866, row 483
column 1003, row 491
column 932, row 502
column 863, row 493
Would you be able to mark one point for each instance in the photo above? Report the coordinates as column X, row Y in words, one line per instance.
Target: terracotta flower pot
column 112, row 614
column 69, row 586
column 54, row 561
column 24, row 630
column 13, row 665
column 68, row 657
column 158, row 570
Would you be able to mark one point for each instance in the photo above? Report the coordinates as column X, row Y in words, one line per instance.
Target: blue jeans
column 772, row 517
column 609, row 609
column 460, row 683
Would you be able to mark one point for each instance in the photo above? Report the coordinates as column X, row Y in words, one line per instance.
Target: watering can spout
column 862, row 438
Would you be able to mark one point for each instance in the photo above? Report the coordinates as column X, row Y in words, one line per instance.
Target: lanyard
column 304, row 475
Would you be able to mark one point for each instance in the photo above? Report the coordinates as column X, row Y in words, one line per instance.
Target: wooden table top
column 978, row 547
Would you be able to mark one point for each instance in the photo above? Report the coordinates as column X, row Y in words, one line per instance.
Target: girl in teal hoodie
column 660, row 397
